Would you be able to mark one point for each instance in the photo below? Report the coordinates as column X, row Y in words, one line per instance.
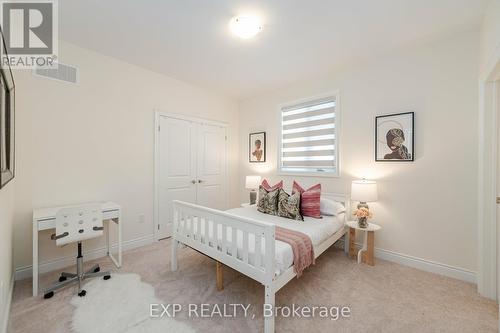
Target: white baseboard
column 427, row 265
column 422, row 264
column 403, row 259
column 58, row 263
column 5, row 310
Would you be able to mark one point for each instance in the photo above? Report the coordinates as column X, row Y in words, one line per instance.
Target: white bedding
column 318, row 230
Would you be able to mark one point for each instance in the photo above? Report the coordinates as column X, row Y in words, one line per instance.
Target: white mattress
column 318, row 230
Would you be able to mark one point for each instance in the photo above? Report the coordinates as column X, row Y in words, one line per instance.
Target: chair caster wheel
column 82, row 293
column 106, row 277
column 98, row 269
column 48, row 295
column 62, row 278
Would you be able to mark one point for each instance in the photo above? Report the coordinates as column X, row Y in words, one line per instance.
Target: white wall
column 427, row 208
column 95, row 141
column 6, row 227
column 489, row 37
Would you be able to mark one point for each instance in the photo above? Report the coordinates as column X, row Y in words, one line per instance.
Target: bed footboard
column 243, row 244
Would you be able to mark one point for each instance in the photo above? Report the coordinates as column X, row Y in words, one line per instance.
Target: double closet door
column 192, row 166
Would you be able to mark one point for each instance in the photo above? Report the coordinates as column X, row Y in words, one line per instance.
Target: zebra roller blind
column 308, row 137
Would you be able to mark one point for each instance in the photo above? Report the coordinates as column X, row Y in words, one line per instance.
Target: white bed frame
column 263, row 272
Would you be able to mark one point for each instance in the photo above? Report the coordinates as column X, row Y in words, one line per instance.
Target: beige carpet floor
column 384, row 298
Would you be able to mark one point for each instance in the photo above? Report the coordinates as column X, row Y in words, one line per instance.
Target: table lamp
column 363, row 191
column 252, row 183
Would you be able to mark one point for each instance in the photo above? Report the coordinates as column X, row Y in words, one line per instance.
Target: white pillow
column 330, row 207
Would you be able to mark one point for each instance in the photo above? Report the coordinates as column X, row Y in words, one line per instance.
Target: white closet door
column 211, row 165
column 177, row 168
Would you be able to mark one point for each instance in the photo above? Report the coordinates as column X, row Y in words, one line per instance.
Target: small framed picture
column 394, row 137
column 257, row 147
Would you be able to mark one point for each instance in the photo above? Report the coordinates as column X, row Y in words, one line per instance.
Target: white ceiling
column 189, row 39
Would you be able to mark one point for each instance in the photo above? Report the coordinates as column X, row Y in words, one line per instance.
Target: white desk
column 45, row 219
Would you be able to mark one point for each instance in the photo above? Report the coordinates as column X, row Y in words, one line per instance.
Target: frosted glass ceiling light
column 245, row 27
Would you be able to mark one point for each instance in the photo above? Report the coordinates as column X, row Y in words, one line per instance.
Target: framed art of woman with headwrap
column 394, row 137
column 257, row 147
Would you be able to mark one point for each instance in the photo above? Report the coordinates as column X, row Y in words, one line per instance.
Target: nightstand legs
column 363, row 249
column 352, row 244
column 369, row 255
column 366, row 253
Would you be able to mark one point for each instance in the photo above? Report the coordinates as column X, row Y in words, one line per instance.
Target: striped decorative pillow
column 309, row 199
column 270, row 188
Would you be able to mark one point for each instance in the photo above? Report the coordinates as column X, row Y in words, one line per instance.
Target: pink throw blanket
column 302, row 247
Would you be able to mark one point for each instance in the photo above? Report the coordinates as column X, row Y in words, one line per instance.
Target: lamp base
column 363, row 204
column 362, row 222
column 253, row 197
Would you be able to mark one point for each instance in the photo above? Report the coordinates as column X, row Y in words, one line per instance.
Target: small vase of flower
column 363, row 214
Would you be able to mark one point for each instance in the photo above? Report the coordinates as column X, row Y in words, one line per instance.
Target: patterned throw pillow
column 289, row 205
column 309, row 199
column 268, row 201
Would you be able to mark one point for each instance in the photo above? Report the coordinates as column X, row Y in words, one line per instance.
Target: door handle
column 193, row 181
column 200, row 181
column 498, row 200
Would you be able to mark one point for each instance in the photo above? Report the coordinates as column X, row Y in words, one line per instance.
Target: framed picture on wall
column 257, row 147
column 394, row 137
column 6, row 119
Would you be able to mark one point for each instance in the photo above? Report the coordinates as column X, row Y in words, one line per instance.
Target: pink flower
column 362, row 212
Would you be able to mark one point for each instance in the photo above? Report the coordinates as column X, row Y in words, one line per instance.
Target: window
column 309, row 138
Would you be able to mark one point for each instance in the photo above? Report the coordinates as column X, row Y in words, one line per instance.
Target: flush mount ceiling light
column 245, row 26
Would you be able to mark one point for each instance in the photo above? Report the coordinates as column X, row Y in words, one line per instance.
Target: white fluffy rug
column 120, row 305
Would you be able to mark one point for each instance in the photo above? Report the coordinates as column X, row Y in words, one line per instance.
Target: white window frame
column 338, row 129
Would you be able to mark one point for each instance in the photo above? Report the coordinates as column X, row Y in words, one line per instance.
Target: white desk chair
column 76, row 224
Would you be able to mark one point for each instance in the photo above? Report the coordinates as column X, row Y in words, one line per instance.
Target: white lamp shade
column 364, row 190
column 252, row 182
